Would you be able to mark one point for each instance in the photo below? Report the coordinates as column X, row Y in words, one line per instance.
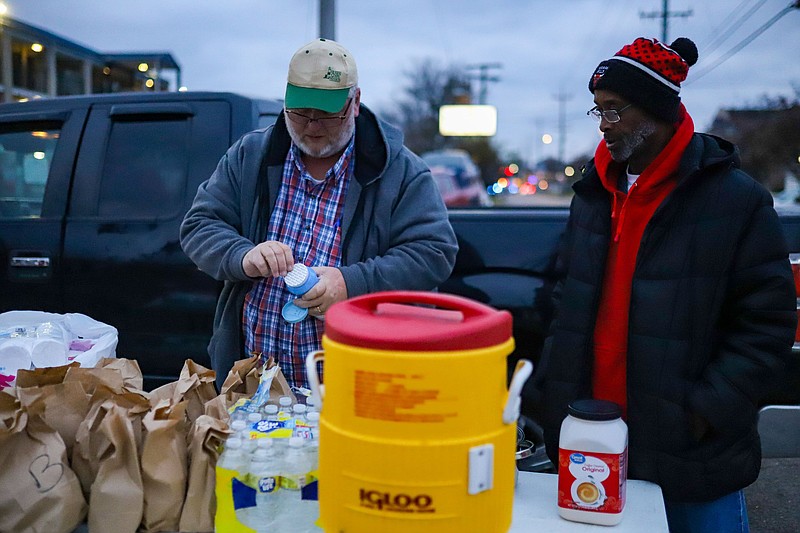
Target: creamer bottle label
column 590, row 481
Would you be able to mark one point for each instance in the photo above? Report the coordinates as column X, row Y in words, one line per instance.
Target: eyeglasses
column 611, row 115
column 328, row 121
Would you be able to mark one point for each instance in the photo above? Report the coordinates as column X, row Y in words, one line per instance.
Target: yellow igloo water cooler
column 417, row 428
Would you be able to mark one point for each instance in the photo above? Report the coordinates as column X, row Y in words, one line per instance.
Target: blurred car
column 458, row 178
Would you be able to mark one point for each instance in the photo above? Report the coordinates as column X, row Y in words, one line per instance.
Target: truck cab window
column 145, row 168
column 26, row 152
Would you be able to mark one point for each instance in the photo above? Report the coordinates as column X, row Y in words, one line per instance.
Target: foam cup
column 48, row 352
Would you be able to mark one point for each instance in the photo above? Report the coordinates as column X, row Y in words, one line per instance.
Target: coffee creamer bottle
column 592, row 463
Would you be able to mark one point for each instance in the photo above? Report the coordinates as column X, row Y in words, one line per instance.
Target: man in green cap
column 330, row 186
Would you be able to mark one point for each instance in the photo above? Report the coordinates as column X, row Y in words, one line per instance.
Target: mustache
column 640, row 134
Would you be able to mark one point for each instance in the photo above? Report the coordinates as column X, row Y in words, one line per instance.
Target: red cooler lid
column 390, row 321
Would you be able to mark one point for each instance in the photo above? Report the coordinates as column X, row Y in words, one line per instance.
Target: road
column 773, row 501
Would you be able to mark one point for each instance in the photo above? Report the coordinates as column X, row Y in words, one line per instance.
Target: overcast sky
column 546, row 47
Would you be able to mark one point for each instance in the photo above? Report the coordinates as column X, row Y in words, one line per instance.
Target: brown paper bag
column 38, row 491
column 39, row 377
column 244, row 377
column 62, row 407
column 89, row 439
column 206, row 438
column 217, row 408
column 279, row 387
column 135, row 403
column 205, row 390
column 91, row 378
column 164, row 466
column 128, row 369
column 195, row 386
column 116, row 496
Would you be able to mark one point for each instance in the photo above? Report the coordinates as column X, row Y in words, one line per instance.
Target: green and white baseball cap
column 321, row 74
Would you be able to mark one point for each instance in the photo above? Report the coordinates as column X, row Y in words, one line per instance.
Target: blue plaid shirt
column 307, row 218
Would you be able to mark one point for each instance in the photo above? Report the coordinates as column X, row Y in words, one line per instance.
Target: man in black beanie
column 675, row 299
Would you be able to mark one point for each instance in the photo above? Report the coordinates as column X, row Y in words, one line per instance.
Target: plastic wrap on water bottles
column 298, row 514
column 265, row 470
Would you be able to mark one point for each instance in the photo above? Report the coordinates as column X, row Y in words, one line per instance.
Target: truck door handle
column 30, row 262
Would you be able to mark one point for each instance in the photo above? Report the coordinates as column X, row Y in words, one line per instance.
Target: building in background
column 768, row 140
column 36, row 63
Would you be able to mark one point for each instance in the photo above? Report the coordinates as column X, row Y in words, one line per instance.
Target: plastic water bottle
column 312, row 450
column 296, row 515
column 299, row 412
column 285, row 410
column 271, row 412
column 312, row 420
column 268, row 444
column 310, row 508
column 232, row 457
column 312, row 404
column 242, row 432
column 238, row 415
column 265, row 469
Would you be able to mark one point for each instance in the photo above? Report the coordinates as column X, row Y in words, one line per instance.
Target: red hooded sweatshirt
column 630, row 214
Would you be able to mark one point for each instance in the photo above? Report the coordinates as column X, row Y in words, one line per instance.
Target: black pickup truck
column 93, row 189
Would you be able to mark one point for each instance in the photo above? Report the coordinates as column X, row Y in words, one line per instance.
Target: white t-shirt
column 631, row 178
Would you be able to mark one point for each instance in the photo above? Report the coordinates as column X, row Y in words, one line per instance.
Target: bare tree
column 771, row 149
column 767, row 136
column 428, row 87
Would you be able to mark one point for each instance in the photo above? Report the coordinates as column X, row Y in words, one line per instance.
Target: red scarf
column 629, row 216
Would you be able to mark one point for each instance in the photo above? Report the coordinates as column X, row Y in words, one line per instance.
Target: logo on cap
column 333, row 75
column 601, row 70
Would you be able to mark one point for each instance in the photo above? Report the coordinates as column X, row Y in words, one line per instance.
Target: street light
column 547, row 138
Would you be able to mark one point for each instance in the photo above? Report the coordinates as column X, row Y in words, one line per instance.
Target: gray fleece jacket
column 395, row 230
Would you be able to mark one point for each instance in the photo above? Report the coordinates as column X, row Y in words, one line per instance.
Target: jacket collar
column 371, row 151
column 704, row 152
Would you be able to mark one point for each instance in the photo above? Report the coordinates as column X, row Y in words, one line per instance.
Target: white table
column 535, row 508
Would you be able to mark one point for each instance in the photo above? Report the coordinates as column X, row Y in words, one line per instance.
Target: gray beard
column 628, row 144
column 336, row 145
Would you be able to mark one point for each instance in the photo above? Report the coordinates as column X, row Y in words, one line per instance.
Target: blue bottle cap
column 291, row 313
column 300, row 279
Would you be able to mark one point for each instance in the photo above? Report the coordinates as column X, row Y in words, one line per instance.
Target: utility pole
column 562, row 122
column 484, row 78
column 664, row 15
column 327, row 19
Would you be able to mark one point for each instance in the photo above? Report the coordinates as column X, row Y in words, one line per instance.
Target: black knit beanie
column 649, row 74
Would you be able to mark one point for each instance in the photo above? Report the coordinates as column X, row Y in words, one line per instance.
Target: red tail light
column 794, row 259
column 797, row 331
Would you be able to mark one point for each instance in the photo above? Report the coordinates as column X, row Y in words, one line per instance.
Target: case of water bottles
column 267, row 472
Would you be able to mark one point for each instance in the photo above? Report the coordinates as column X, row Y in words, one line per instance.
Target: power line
column 747, row 40
column 720, row 27
column 723, row 36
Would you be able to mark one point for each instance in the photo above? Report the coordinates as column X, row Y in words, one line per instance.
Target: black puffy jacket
column 712, row 320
